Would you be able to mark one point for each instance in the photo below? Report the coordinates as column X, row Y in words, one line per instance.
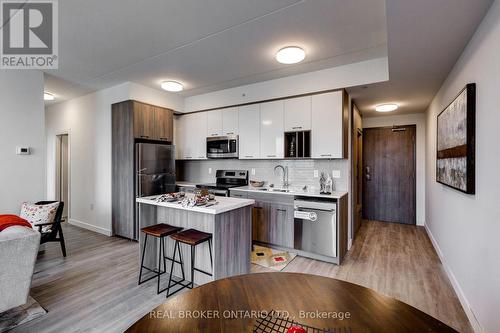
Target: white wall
column 417, row 119
column 87, row 120
column 21, row 124
column 466, row 228
column 360, row 73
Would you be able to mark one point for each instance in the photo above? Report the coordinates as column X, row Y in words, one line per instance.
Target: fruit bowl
column 257, row 183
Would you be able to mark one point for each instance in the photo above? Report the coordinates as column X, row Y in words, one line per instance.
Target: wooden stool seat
column 160, row 230
column 191, row 236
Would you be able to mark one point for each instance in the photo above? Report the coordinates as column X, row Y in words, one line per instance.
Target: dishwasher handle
column 304, row 215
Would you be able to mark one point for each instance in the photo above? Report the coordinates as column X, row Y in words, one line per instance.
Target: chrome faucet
column 285, row 174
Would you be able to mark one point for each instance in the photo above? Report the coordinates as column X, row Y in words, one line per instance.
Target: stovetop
column 217, row 186
column 227, row 179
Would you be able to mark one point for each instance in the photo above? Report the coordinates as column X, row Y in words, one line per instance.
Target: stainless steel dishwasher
column 315, row 226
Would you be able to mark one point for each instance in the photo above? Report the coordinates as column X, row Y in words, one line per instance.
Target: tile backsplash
column 301, row 172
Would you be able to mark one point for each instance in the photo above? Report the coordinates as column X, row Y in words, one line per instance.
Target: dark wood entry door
column 389, row 174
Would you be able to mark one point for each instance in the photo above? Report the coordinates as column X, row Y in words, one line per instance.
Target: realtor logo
column 29, row 34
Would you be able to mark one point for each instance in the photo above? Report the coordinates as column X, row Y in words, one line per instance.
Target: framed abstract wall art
column 456, row 134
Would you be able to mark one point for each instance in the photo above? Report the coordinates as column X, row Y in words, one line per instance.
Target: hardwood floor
column 95, row 288
column 396, row 260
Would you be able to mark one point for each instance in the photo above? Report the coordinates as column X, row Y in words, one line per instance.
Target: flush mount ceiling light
column 290, row 55
column 172, row 86
column 386, row 107
column 48, row 96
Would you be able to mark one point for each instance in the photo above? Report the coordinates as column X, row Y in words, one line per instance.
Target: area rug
column 21, row 315
column 271, row 258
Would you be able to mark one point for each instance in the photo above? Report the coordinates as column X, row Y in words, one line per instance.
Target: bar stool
column 191, row 237
column 159, row 231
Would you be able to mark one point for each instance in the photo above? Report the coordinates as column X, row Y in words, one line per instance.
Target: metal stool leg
column 161, row 253
column 210, row 251
column 172, row 267
column 142, row 258
column 193, row 247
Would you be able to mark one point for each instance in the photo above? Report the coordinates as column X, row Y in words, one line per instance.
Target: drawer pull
column 326, row 155
column 248, row 156
column 144, row 136
column 297, row 127
column 215, row 134
column 164, row 139
column 271, row 155
column 230, row 133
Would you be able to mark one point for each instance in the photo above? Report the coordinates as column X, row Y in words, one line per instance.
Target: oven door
column 222, row 147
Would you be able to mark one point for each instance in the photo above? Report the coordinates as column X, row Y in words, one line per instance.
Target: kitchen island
column 229, row 222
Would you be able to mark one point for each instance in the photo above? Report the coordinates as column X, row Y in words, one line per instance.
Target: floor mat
column 271, row 258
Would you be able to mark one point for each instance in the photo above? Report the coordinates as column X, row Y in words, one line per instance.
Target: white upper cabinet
column 298, row 114
column 249, row 131
column 327, row 125
column 193, row 140
column 271, row 130
column 230, row 121
column 214, row 123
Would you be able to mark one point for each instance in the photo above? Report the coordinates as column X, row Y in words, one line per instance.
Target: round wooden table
column 243, row 304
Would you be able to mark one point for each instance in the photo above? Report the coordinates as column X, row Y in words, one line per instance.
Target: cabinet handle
column 230, row 133
column 326, row 155
column 214, row 134
column 281, row 210
column 271, row 155
column 248, row 156
column 188, row 157
column 298, row 127
column 201, row 156
column 145, row 136
column 164, row 139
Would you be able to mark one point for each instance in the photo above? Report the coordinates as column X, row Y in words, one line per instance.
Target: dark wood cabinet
column 132, row 120
column 272, row 219
column 281, row 225
column 260, row 222
column 163, row 121
column 144, row 122
column 152, row 122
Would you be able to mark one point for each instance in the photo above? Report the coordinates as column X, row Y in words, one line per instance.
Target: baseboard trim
column 90, row 227
column 476, row 326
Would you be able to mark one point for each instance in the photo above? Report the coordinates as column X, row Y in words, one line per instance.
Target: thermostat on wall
column 23, row 151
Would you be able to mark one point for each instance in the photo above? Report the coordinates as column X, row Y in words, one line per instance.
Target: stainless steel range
column 226, row 179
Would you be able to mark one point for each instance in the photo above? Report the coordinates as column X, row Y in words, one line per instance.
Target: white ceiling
column 207, row 45
column 217, row 44
column 425, row 39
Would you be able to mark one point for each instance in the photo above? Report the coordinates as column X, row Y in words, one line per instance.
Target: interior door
column 389, row 174
column 357, row 171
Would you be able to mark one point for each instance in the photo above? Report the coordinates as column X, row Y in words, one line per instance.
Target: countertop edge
column 334, row 195
column 214, row 210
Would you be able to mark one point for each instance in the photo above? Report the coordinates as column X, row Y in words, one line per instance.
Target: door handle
column 367, row 173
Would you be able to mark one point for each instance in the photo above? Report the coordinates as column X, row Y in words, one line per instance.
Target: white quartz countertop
column 292, row 191
column 186, row 184
column 224, row 204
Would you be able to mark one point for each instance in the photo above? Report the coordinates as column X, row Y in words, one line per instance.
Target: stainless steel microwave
column 222, row 146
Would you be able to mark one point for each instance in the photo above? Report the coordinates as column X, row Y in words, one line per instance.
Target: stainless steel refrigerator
column 155, row 172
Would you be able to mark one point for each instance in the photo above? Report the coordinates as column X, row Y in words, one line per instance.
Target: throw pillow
column 37, row 214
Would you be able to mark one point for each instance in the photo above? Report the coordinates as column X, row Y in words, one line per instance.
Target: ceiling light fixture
column 48, row 96
column 172, row 86
column 386, row 107
column 290, row 55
